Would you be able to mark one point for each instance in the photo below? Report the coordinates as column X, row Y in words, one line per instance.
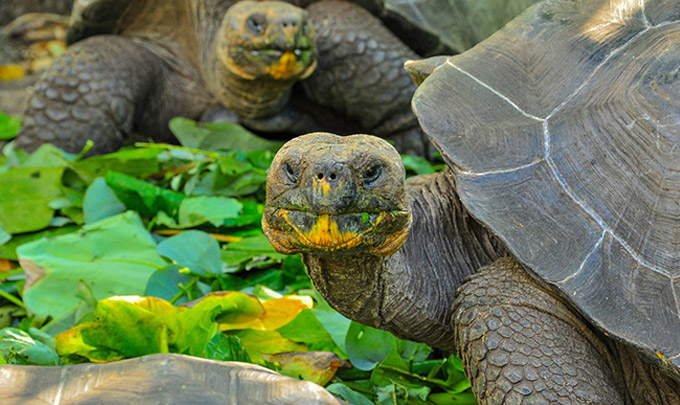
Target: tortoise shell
column 157, row 379
column 563, row 130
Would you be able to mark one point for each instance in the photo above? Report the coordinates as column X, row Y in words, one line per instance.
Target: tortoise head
column 328, row 194
column 267, row 39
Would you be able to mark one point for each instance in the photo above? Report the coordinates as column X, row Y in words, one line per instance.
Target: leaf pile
column 158, row 248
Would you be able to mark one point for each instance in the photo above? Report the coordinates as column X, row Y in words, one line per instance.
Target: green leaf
column 163, row 283
column 366, row 346
column 307, row 329
column 114, row 256
column 348, row 394
column 26, row 193
column 8, row 250
column 193, row 249
column 144, row 197
column 226, row 348
column 199, row 210
column 48, row 155
column 123, row 327
column 100, row 202
column 19, row 347
column 199, row 321
column 216, row 136
column 130, row 161
column 9, row 126
column 258, row 342
column 335, row 324
column 236, row 255
column 4, row 236
column 417, row 164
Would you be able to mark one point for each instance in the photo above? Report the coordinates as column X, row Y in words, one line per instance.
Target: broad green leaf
column 335, row 324
column 247, row 248
column 114, row 256
column 200, row 321
column 123, row 327
column 87, row 306
column 215, row 136
column 226, row 348
column 257, row 342
column 130, row 161
column 344, row 392
column 366, row 346
column 193, row 249
column 163, row 283
column 8, row 250
column 413, row 351
column 26, row 193
column 48, row 155
column 9, row 126
column 199, row 210
column 100, row 202
column 417, row 164
column 307, row 329
column 143, row 197
column 19, row 347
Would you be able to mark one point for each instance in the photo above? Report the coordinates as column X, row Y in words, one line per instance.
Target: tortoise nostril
column 319, row 176
column 333, row 176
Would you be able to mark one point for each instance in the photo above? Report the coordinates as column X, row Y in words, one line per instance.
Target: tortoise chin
column 293, row 231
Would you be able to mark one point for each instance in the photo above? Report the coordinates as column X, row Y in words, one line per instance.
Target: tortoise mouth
column 280, row 63
column 294, row 230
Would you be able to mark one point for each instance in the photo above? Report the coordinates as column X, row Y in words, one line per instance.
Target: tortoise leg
column 103, row 89
column 360, row 73
column 521, row 345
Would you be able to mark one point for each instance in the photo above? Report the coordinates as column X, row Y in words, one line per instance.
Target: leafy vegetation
column 158, row 248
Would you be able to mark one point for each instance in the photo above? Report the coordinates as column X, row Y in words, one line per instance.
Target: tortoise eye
column 291, row 173
column 257, row 23
column 372, row 174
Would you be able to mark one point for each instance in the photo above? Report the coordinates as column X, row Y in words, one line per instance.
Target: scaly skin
column 449, row 285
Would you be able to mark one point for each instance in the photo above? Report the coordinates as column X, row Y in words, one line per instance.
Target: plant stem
column 12, row 299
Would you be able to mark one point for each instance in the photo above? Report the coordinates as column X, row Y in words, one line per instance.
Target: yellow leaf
column 317, row 367
column 11, row 72
column 280, row 311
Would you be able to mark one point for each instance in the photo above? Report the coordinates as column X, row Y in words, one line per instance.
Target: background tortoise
column 561, row 135
column 140, row 63
column 157, row 379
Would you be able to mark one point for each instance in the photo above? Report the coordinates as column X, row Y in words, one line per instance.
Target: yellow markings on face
column 325, row 233
column 285, row 67
column 323, row 186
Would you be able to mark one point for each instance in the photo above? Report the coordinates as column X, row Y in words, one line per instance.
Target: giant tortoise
column 137, row 64
column 548, row 253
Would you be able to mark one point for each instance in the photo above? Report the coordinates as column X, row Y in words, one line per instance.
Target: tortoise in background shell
column 548, row 254
column 138, row 64
column 157, row 379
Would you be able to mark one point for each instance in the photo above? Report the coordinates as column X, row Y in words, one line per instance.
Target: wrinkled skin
column 449, row 283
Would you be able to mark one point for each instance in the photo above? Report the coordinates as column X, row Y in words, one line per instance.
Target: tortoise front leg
column 103, row 89
column 360, row 73
column 521, row 345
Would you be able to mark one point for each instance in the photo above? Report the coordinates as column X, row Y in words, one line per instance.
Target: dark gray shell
column 156, row 379
column 564, row 133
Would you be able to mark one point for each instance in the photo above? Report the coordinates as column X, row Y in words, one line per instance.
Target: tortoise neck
column 257, row 98
column 411, row 293
column 351, row 284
